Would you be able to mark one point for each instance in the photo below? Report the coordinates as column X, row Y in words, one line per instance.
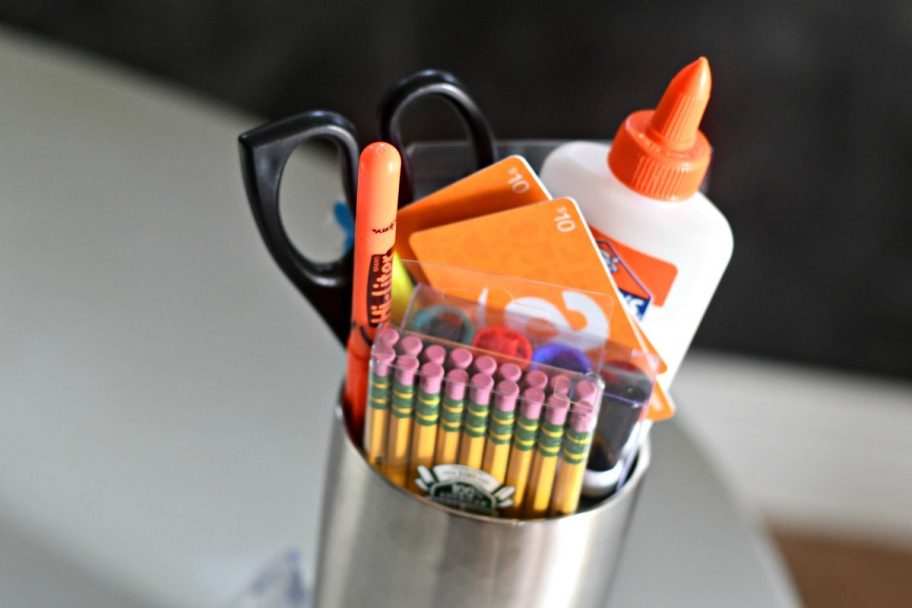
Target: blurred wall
column 811, row 120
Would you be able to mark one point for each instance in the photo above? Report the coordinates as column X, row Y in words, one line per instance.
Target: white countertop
column 165, row 393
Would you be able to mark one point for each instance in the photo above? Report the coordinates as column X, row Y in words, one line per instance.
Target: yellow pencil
column 500, row 429
column 377, row 415
column 424, row 428
column 574, row 453
column 524, row 432
column 471, row 445
column 544, row 462
column 448, row 431
column 400, row 423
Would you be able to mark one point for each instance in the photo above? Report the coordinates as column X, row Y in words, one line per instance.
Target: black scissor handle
column 264, row 153
column 434, row 83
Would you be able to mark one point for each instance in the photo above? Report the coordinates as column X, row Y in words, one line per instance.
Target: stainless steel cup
column 384, row 547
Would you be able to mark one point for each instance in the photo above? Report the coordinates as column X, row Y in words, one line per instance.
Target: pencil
column 573, row 456
column 375, row 235
column 410, row 345
column 378, row 404
column 544, row 461
column 434, row 354
column 460, row 358
column 448, row 431
column 485, row 365
column 424, row 427
column 509, row 371
column 388, row 336
column 471, row 445
column 524, row 432
column 500, row 429
column 401, row 405
column 535, row 379
column 560, row 385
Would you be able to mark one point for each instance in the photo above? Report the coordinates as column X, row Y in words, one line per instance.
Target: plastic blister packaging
column 489, row 404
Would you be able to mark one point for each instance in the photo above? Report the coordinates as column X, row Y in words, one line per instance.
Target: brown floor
column 841, row 573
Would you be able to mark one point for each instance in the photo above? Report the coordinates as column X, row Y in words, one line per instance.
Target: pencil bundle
column 452, row 422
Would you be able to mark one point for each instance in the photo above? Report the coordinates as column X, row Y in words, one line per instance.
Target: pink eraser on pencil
column 456, row 381
column 383, row 356
column 481, row 388
column 410, row 345
column 505, row 395
column 586, row 393
column 431, row 377
column 532, row 401
column 461, row 358
column 434, row 353
column 388, row 336
column 485, row 365
column 556, row 409
column 536, row 379
column 560, row 385
column 582, row 421
column 406, row 367
column 509, row 371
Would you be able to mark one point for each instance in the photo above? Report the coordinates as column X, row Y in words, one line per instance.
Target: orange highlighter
column 375, row 236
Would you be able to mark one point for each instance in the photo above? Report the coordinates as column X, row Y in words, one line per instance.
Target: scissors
column 265, row 152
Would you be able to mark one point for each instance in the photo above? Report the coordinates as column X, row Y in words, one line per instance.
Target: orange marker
column 375, row 235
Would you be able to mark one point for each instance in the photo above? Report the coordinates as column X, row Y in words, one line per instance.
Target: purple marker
column 410, row 345
column 509, row 371
column 460, row 358
column 434, row 354
column 535, row 379
column 485, row 365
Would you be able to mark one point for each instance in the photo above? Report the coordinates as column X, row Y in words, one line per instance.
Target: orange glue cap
column 662, row 153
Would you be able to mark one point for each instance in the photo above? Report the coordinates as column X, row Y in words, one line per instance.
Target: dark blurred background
column 811, row 120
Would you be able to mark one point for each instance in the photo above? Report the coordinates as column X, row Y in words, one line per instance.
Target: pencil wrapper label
column 464, row 488
column 380, row 285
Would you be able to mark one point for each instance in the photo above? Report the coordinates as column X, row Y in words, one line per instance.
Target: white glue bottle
column 664, row 242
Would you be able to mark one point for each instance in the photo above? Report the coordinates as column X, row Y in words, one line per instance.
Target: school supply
column 265, row 151
column 663, row 240
column 375, row 233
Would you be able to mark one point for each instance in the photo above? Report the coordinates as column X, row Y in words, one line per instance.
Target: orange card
column 546, row 242
column 506, row 184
